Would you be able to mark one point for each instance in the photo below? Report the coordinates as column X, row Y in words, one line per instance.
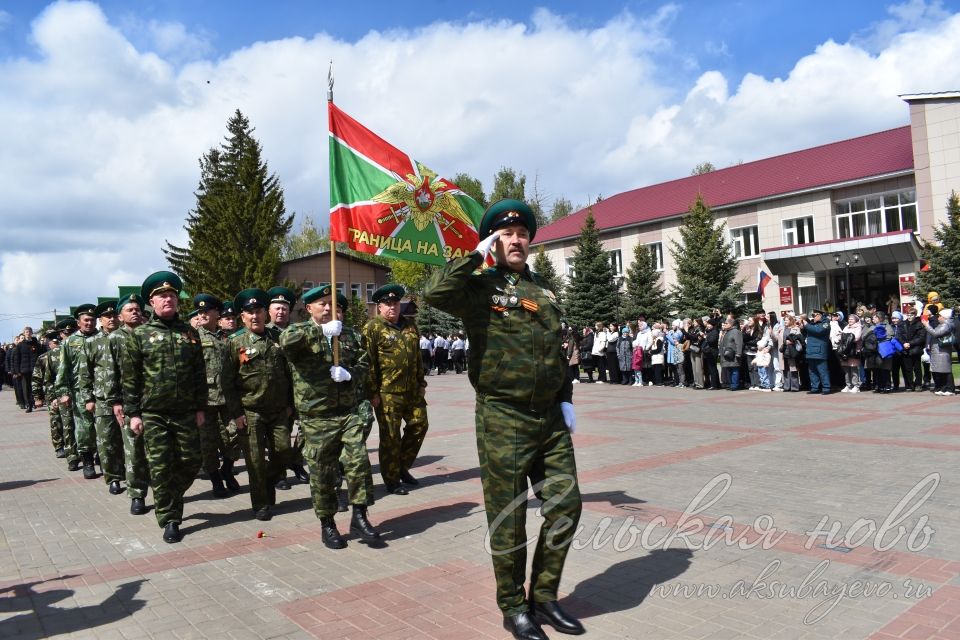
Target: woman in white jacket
column 599, row 352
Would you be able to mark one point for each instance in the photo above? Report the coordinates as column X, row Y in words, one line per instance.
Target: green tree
column 543, row 265
column 702, row 168
column 472, row 187
column 239, row 222
column 942, row 258
column 509, row 184
column 561, row 209
column 644, row 290
column 411, row 275
column 591, row 294
column 432, row 319
column 706, row 270
column 355, row 315
column 310, row 239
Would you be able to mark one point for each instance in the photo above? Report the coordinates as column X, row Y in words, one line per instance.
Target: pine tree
column 592, row 294
column 706, row 269
column 644, row 291
column 237, row 229
column 942, row 258
column 543, row 266
column 356, row 314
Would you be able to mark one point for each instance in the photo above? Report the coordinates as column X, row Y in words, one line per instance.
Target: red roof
column 876, row 154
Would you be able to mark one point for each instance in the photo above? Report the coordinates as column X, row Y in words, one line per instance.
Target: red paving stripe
column 664, row 459
column 847, row 421
column 936, row 617
column 747, row 399
column 886, row 442
column 24, row 445
column 945, row 430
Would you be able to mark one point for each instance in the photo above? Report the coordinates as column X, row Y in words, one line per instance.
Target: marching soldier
column 130, row 310
column 95, row 379
column 43, row 391
column 325, row 395
column 164, row 395
column 524, row 413
column 72, row 361
column 67, row 327
column 260, row 399
column 397, row 385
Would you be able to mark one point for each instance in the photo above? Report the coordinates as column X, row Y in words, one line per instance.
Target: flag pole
column 335, row 342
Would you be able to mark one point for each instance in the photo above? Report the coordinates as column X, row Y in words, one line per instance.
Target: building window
column 656, row 255
column 342, row 289
column 371, row 287
column 876, row 214
column 570, row 269
column 355, row 289
column 798, row 231
column 307, row 285
column 616, row 262
column 745, row 242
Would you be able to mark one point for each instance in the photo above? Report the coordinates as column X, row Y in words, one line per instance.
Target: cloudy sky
column 105, row 108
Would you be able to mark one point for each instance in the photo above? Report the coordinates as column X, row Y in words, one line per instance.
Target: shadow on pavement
column 626, row 584
column 211, row 520
column 613, row 498
column 20, row 484
column 416, row 523
column 41, row 620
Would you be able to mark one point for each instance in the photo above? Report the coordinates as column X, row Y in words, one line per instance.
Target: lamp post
column 847, row 259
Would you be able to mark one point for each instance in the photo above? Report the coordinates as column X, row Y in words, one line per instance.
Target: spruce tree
column 592, row 294
column 356, row 313
column 942, row 258
column 432, row 319
column 543, row 266
column 239, row 223
column 706, row 269
column 644, row 291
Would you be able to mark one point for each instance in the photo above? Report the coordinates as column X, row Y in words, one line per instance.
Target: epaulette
column 238, row 333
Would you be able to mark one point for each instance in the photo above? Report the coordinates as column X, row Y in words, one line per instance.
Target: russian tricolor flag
column 763, row 279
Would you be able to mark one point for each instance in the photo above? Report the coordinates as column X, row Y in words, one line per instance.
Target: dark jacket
column 25, row 356
column 732, row 342
column 818, row 340
column 914, row 335
column 711, row 342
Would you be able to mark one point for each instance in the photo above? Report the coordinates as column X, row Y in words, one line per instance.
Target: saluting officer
column 524, row 413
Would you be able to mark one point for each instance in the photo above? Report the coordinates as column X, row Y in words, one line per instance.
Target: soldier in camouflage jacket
column 72, row 361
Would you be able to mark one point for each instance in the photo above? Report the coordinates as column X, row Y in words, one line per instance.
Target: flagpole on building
column 335, row 342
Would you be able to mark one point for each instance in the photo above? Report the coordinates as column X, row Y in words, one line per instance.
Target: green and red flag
column 384, row 202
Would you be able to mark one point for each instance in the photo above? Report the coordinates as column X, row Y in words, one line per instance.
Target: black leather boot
column 219, row 491
column 263, row 514
column 61, row 453
column 550, row 613
column 114, row 488
column 300, row 473
column 226, row 473
column 329, row 534
column 524, row 627
column 137, row 507
column 361, row 526
column 406, row 478
column 73, row 465
column 171, row 533
column 89, row 471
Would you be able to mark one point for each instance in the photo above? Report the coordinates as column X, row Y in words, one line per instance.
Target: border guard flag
column 384, row 202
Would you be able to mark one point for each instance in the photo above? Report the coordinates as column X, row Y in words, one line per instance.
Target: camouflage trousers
column 365, row 413
column 109, row 442
column 329, row 441
column 69, row 435
column 218, row 437
column 135, row 459
column 266, row 451
column 172, row 446
column 514, row 444
column 397, row 453
column 83, row 430
column 56, row 428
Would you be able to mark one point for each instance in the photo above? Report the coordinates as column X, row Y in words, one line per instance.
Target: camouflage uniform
column 164, row 382
column 72, row 361
column 328, row 412
column 65, row 412
column 94, row 381
column 518, row 371
column 396, row 373
column 45, row 394
column 216, row 436
column 136, row 469
column 296, row 453
column 261, row 389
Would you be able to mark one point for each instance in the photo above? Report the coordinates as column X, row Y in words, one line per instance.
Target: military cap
column 85, row 310
column 108, row 307
column 250, row 299
column 193, row 314
column 507, row 211
column 205, row 301
column 127, row 299
column 322, row 291
column 282, row 294
column 227, row 309
column 67, row 324
column 160, row 281
column 53, row 334
column 388, row 293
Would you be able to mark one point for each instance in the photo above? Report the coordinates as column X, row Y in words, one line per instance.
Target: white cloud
column 101, row 137
column 5, row 19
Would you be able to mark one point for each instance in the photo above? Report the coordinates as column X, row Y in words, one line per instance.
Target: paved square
column 700, row 518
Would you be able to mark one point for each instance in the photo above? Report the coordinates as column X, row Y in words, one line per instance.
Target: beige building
column 838, row 222
column 356, row 277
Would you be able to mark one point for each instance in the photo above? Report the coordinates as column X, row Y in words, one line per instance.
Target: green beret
column 282, row 294
column 227, row 308
column 105, row 308
column 67, row 324
column 507, row 211
column 388, row 293
column 250, row 299
column 205, row 301
column 85, row 309
column 127, row 299
column 322, row 291
column 160, row 281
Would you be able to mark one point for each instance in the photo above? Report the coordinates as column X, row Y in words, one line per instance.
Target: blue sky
column 106, row 107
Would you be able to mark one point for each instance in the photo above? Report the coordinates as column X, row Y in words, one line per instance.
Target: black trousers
column 26, row 390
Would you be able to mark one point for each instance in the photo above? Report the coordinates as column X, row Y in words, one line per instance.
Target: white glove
column 569, row 418
column 332, row 328
column 484, row 246
column 339, row 374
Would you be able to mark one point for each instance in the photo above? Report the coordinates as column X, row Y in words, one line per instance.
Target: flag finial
column 330, row 83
